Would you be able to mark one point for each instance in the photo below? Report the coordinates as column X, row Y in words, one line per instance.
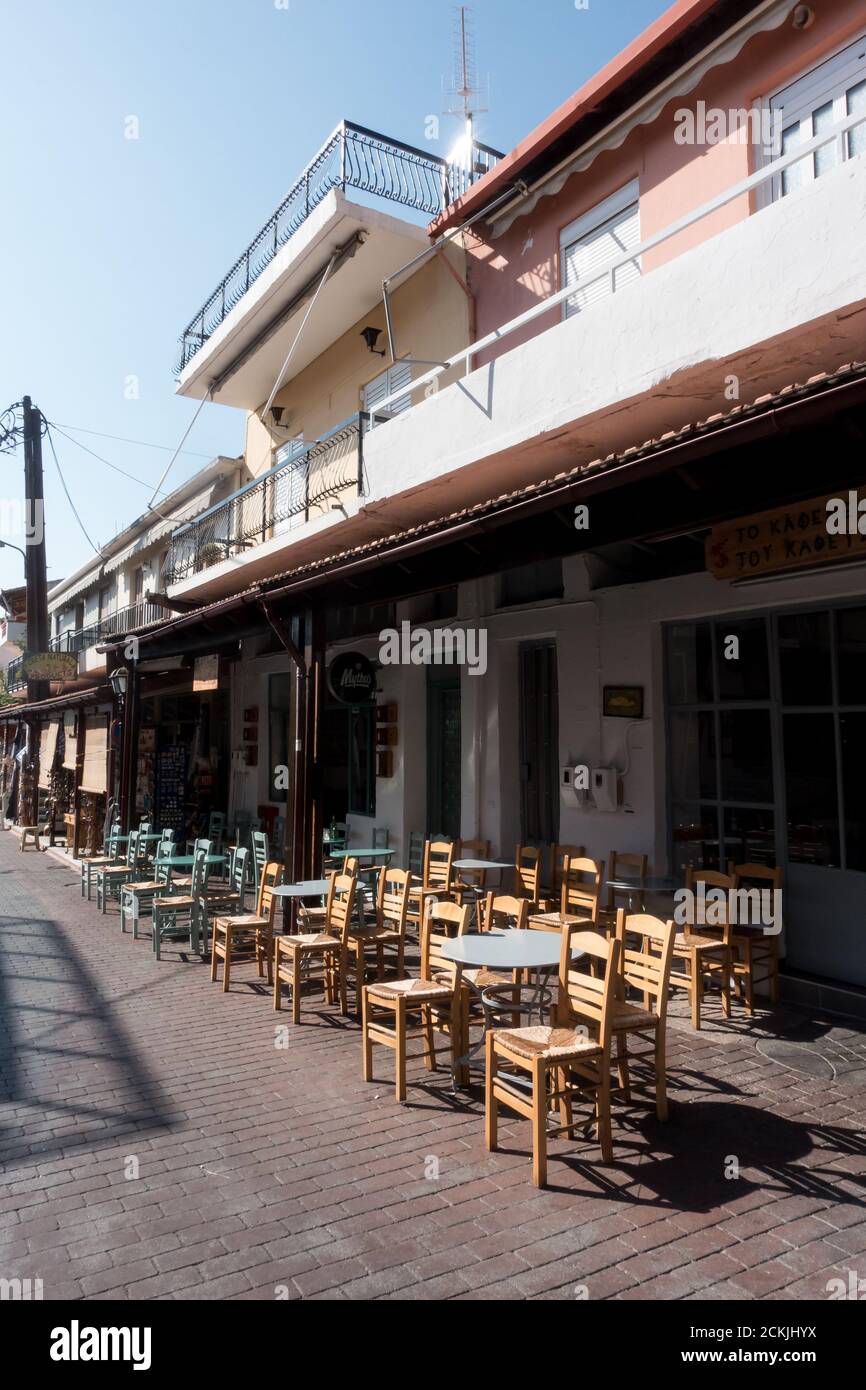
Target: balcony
column 267, row 510
column 351, row 158
column 15, row 679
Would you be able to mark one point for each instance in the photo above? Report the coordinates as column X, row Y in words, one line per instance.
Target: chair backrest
column 439, row 864
column 500, row 910
column 199, row 874
column 646, row 968
column 341, row 901
column 266, row 903
column 132, row 849
column 416, row 852
column 581, row 887
column 380, row 838
column 145, row 827
column 527, row 872
column 166, row 838
column 261, row 851
column 716, row 917
column 238, row 874
column 392, row 898
column 630, row 866
column 201, row 843
column 559, row 857
column 473, row 849
column 161, row 866
column 216, row 825
column 755, row 875
column 588, row 998
column 442, row 922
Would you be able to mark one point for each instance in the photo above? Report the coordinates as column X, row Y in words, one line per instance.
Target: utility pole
column 34, row 560
column 29, row 427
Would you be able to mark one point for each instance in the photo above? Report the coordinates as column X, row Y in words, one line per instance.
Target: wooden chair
column 470, row 884
column 756, row 952
column 567, row 1058
column 550, row 893
column 298, row 958
column 436, row 997
column 704, row 950
column 646, row 952
column 248, row 935
column 387, row 932
column 416, row 853
column 624, row 866
column 437, row 879
column 177, row 916
column 527, row 873
column 95, row 861
column 579, row 896
column 110, row 878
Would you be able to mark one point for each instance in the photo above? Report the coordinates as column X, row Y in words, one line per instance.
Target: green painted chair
column 137, row 897
column 178, row 916
column 96, row 861
column 111, row 877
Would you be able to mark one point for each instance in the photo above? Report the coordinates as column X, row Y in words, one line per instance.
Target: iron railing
column 352, row 157
column 274, row 502
column 15, row 679
column 109, row 625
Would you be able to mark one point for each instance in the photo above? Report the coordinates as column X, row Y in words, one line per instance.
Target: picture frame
column 251, row 715
column 623, row 701
column 251, row 735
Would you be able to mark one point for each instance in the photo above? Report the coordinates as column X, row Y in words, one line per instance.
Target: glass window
column 851, row 636
column 279, row 703
column 746, row 755
column 693, row 754
column 362, row 770
column 696, row 838
column 746, row 676
column 689, row 664
column 812, row 105
column 596, row 240
column 804, row 659
column 811, row 788
column 853, row 733
column 750, row 836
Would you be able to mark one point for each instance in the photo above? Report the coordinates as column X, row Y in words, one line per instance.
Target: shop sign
column 50, row 666
column 786, row 538
column 206, row 673
column 352, row 678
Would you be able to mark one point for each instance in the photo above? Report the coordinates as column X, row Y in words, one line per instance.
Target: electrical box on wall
column 574, row 783
column 605, row 788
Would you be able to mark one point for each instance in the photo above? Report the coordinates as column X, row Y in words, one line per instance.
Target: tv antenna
column 464, row 82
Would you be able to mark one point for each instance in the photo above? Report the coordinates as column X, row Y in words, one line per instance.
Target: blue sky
column 110, row 244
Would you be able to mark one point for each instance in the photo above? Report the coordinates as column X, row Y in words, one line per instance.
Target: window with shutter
column 381, row 387
column 290, row 487
column 815, row 103
column 597, row 240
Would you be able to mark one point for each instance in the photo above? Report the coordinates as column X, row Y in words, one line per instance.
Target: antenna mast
column 464, row 83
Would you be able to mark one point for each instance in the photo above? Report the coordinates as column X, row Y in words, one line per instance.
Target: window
column 397, row 376
column 362, row 755
column 290, row 486
column 595, row 241
column 814, row 103
column 138, row 585
column 279, row 703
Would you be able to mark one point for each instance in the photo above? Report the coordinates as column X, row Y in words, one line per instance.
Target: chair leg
column 344, row 989
column 622, row 1065
column 539, row 1123
column 213, row 954
column 367, row 1041
column 773, row 965
column 603, row 1112
column 696, row 990
column 400, row 1085
column 227, row 960
column 277, row 981
column 296, row 986
column 491, row 1104
column 750, row 981
column 429, row 1045
column 661, row 1075
column 565, row 1114
column 726, row 984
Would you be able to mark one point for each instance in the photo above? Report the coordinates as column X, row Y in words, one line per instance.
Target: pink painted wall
column 511, row 273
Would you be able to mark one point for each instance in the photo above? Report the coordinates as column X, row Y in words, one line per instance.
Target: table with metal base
column 294, row 892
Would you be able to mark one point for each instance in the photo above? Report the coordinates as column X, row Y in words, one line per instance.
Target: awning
column 47, row 750
column 87, row 581
column 93, row 695
column 769, row 16
column 179, row 516
column 70, row 745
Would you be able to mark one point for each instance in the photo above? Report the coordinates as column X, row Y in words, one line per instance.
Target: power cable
column 122, row 471
column 122, row 439
column 68, row 498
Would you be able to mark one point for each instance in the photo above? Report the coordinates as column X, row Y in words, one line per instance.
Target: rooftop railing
column 352, row 157
column 275, row 502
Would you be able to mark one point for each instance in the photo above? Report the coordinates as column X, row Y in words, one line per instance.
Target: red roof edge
column 668, row 27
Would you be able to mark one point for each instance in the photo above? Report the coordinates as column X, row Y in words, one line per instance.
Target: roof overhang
column 242, row 358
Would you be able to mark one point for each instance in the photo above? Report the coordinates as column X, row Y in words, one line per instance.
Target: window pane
column 689, row 664
column 811, row 789
column 827, row 155
column 851, row 636
column 746, row 677
column 362, row 784
column 795, row 175
column 804, row 659
column 693, row 755
column 856, row 102
column 853, row 730
column 696, row 831
column 750, row 836
column 747, row 762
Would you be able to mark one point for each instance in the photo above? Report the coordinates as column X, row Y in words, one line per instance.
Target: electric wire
column 84, row 531
column 122, row 439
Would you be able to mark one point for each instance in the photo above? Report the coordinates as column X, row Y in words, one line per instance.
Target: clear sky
column 110, row 244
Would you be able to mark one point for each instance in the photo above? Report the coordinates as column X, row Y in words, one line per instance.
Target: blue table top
column 186, row 861
column 477, row 864
column 361, row 853
column 308, row 888
column 506, row 950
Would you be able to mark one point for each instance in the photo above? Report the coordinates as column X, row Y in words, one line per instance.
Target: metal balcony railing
column 272, row 503
column 109, row 625
column 15, row 675
column 352, row 157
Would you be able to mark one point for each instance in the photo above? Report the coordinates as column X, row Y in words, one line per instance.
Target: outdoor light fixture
column 119, row 680
column 370, row 336
column 277, row 414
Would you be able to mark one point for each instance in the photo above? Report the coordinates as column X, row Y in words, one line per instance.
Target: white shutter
column 289, row 488
column 596, row 240
column 391, row 380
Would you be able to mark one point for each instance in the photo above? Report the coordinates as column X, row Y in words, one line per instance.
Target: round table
column 476, row 865
column 645, row 888
column 306, row 888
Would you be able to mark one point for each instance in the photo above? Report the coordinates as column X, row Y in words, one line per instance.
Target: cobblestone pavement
column 157, row 1143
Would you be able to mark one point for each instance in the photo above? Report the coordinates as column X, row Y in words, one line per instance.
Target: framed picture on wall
column 251, row 735
column 623, row 701
column 251, row 716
